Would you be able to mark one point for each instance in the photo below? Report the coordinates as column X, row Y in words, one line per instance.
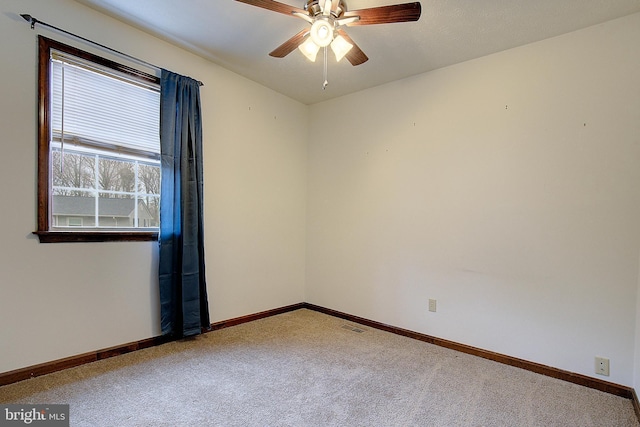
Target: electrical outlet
column 602, row 366
column 432, row 305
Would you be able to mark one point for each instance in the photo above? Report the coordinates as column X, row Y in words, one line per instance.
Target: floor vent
column 353, row 328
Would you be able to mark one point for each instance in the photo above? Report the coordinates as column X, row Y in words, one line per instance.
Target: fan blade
column 405, row 12
column 356, row 56
column 290, row 45
column 304, row 16
column 274, row 6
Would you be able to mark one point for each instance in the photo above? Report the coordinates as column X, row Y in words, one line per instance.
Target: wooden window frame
column 45, row 235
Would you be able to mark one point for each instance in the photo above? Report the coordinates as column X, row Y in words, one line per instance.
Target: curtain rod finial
column 30, row 19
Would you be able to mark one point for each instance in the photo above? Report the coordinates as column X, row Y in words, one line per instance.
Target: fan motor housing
column 314, row 8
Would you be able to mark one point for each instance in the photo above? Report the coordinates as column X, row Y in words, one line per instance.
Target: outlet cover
column 432, row 305
column 602, row 366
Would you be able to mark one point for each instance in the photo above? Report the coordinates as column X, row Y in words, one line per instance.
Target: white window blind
column 99, row 108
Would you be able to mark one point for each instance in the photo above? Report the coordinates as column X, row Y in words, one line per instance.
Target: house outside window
column 72, row 221
column 99, row 148
column 113, row 212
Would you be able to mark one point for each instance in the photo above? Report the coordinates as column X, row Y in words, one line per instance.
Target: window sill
column 95, row 236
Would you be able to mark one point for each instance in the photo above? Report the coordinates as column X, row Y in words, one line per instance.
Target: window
column 74, row 221
column 98, row 148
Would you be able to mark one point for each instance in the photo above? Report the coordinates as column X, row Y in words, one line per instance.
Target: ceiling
column 239, row 37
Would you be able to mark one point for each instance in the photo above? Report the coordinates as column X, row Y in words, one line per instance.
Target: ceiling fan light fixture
column 309, row 49
column 327, row 17
column 322, row 33
column 340, row 46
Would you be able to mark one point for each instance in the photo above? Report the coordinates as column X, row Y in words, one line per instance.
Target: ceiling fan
column 327, row 19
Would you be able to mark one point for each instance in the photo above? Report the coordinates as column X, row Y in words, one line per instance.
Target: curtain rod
column 33, row 21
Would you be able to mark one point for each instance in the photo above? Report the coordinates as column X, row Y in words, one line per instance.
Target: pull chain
column 326, row 81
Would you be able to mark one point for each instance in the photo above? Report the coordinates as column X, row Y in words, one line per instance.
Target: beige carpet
column 304, row 368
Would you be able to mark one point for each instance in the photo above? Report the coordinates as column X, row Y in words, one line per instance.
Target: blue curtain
column 184, row 309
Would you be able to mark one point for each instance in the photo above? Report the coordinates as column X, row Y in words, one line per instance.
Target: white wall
column 507, row 188
column 58, row 300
